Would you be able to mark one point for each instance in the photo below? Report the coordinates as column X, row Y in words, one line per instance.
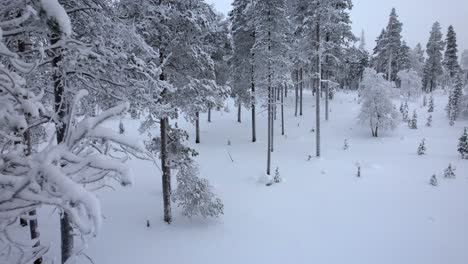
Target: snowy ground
column 321, row 213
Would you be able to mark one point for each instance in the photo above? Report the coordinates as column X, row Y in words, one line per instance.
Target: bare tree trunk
column 326, row 96
column 274, row 103
column 273, row 118
column 166, row 171
column 282, row 112
column 197, row 127
column 301, row 87
column 286, row 88
column 296, row 92
column 319, row 89
column 209, row 115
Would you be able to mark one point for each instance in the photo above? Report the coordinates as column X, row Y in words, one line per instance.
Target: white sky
column 417, row 17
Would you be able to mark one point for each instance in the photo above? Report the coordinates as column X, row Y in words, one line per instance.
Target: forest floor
column 321, row 212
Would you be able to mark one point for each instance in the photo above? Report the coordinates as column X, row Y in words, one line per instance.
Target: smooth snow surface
column 320, row 213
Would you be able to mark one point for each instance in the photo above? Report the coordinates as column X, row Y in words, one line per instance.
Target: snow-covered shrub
column 463, row 145
column 422, row 148
column 346, row 145
column 429, row 121
column 430, row 109
column 413, row 123
column 449, row 173
column 194, row 194
column 411, row 84
column 377, row 109
column 434, row 181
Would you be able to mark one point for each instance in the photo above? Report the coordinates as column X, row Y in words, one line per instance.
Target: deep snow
column 320, row 213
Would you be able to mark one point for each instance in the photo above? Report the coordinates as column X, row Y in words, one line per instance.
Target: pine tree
column 405, row 112
column 277, row 178
column 422, row 148
column 417, row 59
column 463, row 145
column 433, row 181
column 413, row 124
column 346, row 145
column 431, row 105
column 449, row 173
column 433, row 67
column 429, row 121
column 389, row 54
column 453, row 107
column 424, row 101
column 451, row 53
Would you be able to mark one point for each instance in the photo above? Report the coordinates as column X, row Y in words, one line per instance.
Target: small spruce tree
column 405, row 112
column 429, row 121
column 463, row 145
column 431, row 105
column 277, row 178
column 449, row 173
column 346, row 145
column 433, row 181
column 422, row 148
column 413, row 124
column 424, row 101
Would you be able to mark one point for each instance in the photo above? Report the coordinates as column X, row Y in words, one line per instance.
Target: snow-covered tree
column 377, row 109
column 431, row 106
column 242, row 68
column 463, row 144
column 464, row 63
column 417, row 59
column 413, row 123
column 450, row 61
column 404, row 110
column 270, row 55
column 449, row 173
column 410, row 84
column 454, row 106
column 422, row 148
column 429, row 121
column 389, row 53
column 433, row 180
column 433, row 67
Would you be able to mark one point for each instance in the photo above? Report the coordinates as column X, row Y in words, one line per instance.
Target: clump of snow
column 56, row 11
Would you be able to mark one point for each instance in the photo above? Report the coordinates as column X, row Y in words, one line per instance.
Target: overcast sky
column 417, row 17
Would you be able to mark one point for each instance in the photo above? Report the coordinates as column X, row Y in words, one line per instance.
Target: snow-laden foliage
column 433, row 70
column 410, row 84
column 377, row 110
column 422, row 148
column 449, row 173
column 463, row 144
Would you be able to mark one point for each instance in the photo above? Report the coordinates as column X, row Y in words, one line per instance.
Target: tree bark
column 254, row 130
column 166, row 176
column 239, row 113
column 282, row 112
column 197, row 128
column 296, row 93
column 301, row 87
column 209, row 115
column 327, row 99
column 268, row 171
column 319, row 89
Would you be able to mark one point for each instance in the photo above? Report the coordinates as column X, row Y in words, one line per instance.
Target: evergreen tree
column 390, row 55
column 429, row 121
column 433, row 67
column 455, row 100
column 417, row 59
column 424, row 100
column 449, row 173
column 422, row 148
column 433, row 181
column 413, row 123
column 451, row 53
column 463, row 144
column 404, row 109
column 431, row 105
column 346, row 145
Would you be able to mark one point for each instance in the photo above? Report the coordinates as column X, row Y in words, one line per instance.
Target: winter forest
column 164, row 131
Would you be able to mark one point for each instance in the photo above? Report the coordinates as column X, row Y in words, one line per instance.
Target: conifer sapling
column 413, row 124
column 345, row 146
column 449, row 173
column 433, row 181
column 463, row 145
column 431, row 105
column 422, row 148
column 429, row 121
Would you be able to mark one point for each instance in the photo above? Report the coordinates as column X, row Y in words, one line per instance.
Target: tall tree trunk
column 166, row 170
column 390, row 62
column 282, row 111
column 286, row 91
column 239, row 113
column 254, row 130
column 197, row 127
column 319, row 89
column 270, row 119
column 327, row 99
column 273, row 118
column 209, row 115
column 274, row 103
column 301, row 87
column 296, row 93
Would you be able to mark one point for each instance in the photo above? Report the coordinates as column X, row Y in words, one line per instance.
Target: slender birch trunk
column 296, row 93
column 319, row 89
column 282, row 111
column 197, row 127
